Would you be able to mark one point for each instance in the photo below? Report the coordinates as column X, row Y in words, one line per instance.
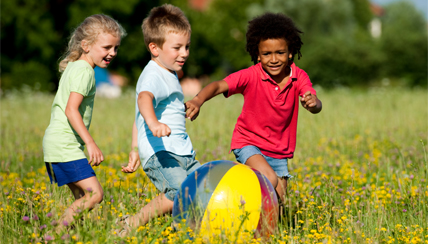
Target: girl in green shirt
column 93, row 43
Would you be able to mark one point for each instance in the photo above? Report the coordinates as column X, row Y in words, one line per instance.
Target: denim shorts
column 280, row 166
column 167, row 171
column 69, row 172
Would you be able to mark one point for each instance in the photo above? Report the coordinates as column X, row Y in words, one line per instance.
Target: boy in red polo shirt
column 264, row 137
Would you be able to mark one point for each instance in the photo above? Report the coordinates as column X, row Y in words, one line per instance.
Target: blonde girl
column 93, row 43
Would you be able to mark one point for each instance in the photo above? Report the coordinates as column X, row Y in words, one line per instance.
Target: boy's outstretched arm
column 213, row 89
column 134, row 158
column 145, row 105
column 311, row 102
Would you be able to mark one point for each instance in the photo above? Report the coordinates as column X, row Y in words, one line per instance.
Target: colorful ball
column 224, row 197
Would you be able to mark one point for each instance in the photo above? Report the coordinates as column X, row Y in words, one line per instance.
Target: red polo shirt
column 269, row 116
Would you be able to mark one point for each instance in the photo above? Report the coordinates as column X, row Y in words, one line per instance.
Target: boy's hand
column 95, row 154
column 159, row 129
column 308, row 100
column 192, row 108
column 311, row 102
column 133, row 163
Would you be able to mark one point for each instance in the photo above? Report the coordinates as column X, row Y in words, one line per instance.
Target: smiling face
column 174, row 51
column 102, row 52
column 274, row 56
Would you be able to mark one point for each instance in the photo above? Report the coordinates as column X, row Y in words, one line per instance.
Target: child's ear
column 154, row 49
column 85, row 46
column 290, row 56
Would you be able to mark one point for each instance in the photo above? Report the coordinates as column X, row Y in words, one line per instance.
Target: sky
column 421, row 5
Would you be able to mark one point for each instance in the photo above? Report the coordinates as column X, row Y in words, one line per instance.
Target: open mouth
column 180, row 62
column 107, row 60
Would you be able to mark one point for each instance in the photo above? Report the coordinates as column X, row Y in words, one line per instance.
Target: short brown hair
column 162, row 20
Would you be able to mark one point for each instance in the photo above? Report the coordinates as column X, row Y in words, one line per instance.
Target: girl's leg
column 77, row 192
column 87, row 192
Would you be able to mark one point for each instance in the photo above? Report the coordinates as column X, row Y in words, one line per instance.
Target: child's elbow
column 68, row 112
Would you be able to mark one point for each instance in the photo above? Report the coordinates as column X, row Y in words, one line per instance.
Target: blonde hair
column 161, row 21
column 89, row 30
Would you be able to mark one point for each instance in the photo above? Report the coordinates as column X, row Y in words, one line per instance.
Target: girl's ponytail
column 72, row 54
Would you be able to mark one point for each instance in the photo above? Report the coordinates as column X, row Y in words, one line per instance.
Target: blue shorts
column 167, row 171
column 69, row 172
column 280, row 166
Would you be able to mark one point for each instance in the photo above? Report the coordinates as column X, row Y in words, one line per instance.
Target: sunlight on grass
column 360, row 172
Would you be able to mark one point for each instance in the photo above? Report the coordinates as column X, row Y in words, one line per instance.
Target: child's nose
column 113, row 52
column 274, row 58
column 184, row 52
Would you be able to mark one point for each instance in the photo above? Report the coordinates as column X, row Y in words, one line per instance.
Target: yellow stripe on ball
column 237, row 194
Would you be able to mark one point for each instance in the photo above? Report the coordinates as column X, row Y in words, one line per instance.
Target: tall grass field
column 360, row 171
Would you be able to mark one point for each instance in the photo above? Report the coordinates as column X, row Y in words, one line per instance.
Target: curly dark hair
column 272, row 26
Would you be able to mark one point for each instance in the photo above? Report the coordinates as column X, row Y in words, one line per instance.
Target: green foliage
column 337, row 61
column 338, row 48
column 404, row 43
column 218, row 37
column 362, row 13
column 34, row 35
column 315, row 18
column 29, row 42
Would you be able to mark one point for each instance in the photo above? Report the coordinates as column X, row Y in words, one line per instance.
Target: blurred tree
column 29, row 41
column 335, row 51
column 35, row 34
column 316, row 18
column 362, row 13
column 218, row 37
column 404, row 42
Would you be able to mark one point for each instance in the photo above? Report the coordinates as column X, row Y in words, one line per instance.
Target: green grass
column 360, row 170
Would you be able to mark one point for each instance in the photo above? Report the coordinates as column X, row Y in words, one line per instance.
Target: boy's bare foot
column 124, row 227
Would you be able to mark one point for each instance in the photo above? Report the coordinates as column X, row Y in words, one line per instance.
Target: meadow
column 360, row 171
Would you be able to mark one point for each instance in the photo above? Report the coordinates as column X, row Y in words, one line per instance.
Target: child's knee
column 95, row 197
column 274, row 180
column 99, row 196
column 272, row 177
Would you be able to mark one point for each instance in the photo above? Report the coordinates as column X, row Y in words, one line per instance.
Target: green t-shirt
column 61, row 142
